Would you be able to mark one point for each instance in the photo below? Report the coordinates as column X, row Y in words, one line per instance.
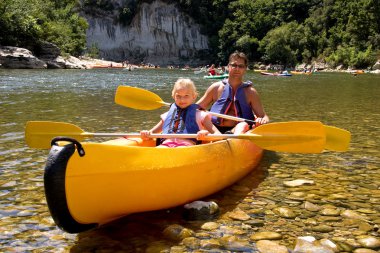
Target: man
column 234, row 97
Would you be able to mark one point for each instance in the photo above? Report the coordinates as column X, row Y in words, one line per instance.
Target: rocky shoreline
column 50, row 57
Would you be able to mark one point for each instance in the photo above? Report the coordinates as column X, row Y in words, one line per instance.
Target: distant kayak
column 355, row 72
column 275, row 74
column 216, row 76
column 301, row 72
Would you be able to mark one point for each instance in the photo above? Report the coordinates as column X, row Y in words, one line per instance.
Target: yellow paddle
column 141, row 99
column 295, row 137
column 337, row 139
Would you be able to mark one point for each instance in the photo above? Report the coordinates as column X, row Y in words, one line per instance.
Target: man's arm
column 257, row 107
column 209, row 97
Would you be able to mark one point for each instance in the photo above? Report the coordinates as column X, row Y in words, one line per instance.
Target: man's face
column 237, row 67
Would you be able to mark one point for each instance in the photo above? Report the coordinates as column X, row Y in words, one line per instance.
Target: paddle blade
column 137, row 98
column 38, row 134
column 337, row 139
column 293, row 137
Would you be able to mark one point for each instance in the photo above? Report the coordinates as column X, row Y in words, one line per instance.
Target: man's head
column 237, row 66
column 238, row 55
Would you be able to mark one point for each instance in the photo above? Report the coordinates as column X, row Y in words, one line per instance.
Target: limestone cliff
column 159, row 34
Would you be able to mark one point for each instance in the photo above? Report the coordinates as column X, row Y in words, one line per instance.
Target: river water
column 339, row 182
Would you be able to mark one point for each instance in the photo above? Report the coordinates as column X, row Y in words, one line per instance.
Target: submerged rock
column 310, row 244
column 298, row 182
column 266, row 235
column 266, row 246
column 201, row 210
column 176, row 232
column 369, row 242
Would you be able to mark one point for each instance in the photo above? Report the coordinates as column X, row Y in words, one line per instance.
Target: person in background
column 212, row 70
column 182, row 117
column 224, row 70
column 234, row 97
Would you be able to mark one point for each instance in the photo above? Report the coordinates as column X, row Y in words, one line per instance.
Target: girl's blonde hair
column 184, row 83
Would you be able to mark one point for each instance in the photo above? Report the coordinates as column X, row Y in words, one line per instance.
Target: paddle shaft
column 296, row 137
column 336, row 139
column 224, row 116
column 251, row 136
column 184, row 136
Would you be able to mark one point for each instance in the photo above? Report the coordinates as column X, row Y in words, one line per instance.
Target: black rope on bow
column 73, row 141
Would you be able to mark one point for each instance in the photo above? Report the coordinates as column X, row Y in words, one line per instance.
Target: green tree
column 252, row 20
column 19, row 21
column 352, row 57
column 281, row 44
column 25, row 23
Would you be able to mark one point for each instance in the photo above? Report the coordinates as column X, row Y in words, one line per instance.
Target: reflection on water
column 348, row 180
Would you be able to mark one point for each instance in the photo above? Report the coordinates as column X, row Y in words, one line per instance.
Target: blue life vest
column 243, row 109
column 185, row 119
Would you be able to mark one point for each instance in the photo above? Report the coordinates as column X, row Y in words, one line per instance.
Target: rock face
column 16, row 58
column 159, row 34
column 21, row 58
column 47, row 50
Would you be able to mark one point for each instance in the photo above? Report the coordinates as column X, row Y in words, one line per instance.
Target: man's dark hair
column 238, row 55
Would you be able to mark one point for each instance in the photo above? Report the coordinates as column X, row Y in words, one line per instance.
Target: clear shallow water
column 86, row 99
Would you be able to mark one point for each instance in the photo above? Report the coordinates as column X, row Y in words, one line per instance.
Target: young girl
column 183, row 117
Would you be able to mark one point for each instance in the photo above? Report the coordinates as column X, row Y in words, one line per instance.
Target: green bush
column 352, row 57
column 25, row 23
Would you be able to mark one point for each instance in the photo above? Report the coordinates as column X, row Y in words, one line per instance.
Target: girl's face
column 184, row 97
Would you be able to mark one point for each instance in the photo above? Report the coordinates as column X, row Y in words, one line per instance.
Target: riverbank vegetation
column 287, row 32
column 27, row 23
column 283, row 32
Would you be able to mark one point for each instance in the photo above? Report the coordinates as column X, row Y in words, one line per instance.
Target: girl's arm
column 210, row 127
column 157, row 128
column 145, row 134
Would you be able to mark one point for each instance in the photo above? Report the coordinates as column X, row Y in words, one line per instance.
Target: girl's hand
column 145, row 135
column 202, row 134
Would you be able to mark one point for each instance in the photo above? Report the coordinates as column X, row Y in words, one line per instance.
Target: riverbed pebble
column 369, row 242
column 201, row 210
column 267, row 246
column 298, row 182
column 177, row 232
column 239, row 215
column 266, row 235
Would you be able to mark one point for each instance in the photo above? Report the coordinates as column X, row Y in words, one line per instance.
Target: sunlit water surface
column 86, row 99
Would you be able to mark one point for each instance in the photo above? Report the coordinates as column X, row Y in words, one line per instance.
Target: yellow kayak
column 300, row 73
column 125, row 176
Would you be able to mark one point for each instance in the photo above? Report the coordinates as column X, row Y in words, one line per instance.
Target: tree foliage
column 289, row 31
column 26, row 23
